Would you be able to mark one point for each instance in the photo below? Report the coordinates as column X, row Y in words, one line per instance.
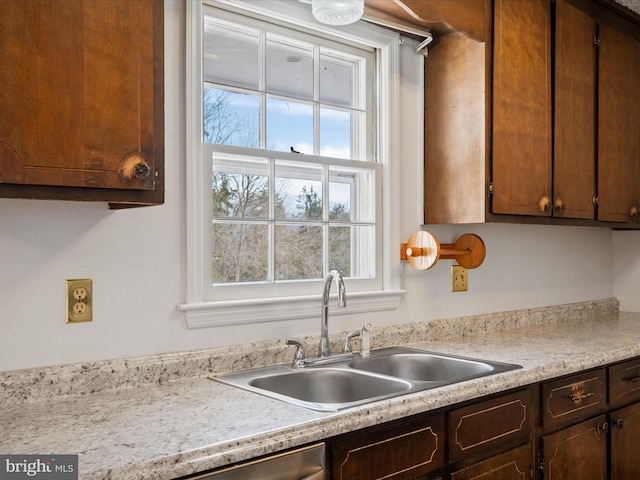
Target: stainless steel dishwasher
column 307, row 463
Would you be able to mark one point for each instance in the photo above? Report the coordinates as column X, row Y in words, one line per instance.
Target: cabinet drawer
column 624, row 381
column 573, row 398
column 490, row 426
column 406, row 451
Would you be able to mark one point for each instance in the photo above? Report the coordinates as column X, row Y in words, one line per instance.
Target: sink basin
column 318, row 388
column 347, row 382
column 425, row 367
column 330, row 385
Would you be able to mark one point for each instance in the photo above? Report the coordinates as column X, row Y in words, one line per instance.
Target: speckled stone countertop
column 162, row 418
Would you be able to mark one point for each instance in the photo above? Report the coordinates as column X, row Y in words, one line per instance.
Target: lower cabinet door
column 407, row 451
column 516, row 464
column 577, row 452
column 625, row 443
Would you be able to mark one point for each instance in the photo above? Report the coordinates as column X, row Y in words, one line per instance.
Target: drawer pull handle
column 581, row 396
column 634, row 379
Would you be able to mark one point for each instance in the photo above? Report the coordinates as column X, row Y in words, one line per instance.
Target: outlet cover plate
column 79, row 300
column 459, row 279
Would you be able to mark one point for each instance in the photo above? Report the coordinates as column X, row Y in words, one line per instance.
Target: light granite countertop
column 175, row 426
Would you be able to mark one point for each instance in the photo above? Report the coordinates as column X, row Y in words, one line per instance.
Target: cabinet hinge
column 595, row 199
column 540, row 464
column 596, row 40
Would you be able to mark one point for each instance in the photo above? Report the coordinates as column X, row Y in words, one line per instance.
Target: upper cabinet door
column 618, row 126
column 521, row 158
column 79, row 93
column 574, row 178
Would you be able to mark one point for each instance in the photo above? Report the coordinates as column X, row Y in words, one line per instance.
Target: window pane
column 240, row 196
column 240, row 252
column 351, row 250
column 289, row 69
column 231, row 55
column 289, row 126
column 231, row 118
column 298, row 252
column 340, row 201
column 335, row 133
column 352, row 194
column 340, row 250
column 298, row 191
column 240, row 187
column 338, row 80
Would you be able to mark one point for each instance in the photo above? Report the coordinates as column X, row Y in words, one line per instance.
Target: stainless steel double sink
column 387, row 373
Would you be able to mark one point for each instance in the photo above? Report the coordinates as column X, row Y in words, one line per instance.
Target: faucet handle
column 365, row 350
column 347, row 340
column 298, row 357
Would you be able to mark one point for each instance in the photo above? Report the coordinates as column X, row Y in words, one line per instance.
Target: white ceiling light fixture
column 337, row 12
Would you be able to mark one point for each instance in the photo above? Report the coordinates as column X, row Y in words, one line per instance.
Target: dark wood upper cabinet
column 597, row 103
column 574, row 154
column 521, row 168
column 81, row 96
column 536, row 124
column 618, row 126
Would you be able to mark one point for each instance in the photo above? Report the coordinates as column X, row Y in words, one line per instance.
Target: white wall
column 135, row 258
column 626, row 269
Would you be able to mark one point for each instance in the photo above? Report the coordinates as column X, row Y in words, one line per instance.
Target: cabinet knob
column 559, row 204
column 633, row 212
column 619, row 423
column 141, row 171
column 134, row 168
column 545, row 204
column 604, row 427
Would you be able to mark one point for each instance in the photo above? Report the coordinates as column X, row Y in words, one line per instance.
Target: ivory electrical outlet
column 79, row 300
column 459, row 279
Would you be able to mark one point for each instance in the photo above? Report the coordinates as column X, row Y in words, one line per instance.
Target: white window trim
column 199, row 313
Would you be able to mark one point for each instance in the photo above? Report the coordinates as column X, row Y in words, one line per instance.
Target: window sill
column 244, row 312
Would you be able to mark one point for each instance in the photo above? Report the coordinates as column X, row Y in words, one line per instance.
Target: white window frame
column 201, row 313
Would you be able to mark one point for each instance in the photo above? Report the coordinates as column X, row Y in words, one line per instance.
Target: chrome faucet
column 323, row 348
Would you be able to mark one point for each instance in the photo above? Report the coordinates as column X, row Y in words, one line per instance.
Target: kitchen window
column 290, row 162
